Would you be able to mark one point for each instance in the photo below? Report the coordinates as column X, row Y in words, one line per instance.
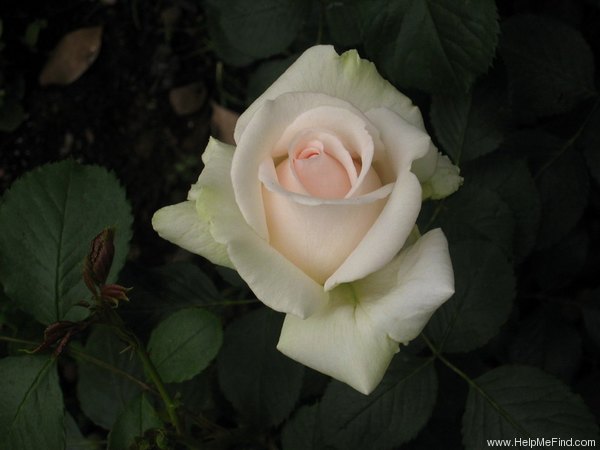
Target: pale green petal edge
column 182, row 225
column 347, row 76
column 444, row 181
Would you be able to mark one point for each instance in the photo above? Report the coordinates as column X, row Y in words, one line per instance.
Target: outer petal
column 276, row 281
column 403, row 143
column 346, row 76
column 401, row 297
column 181, row 225
column 340, row 341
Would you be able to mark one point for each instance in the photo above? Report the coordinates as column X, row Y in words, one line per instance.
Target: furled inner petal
column 320, row 174
column 271, row 130
column 320, row 164
column 347, row 136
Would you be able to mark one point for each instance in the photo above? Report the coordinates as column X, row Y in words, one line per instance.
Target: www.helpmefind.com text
column 541, row 442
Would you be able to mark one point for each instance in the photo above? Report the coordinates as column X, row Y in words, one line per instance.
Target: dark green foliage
column 508, row 91
column 439, row 46
column 31, row 405
column 523, row 402
column 262, row 384
column 47, row 222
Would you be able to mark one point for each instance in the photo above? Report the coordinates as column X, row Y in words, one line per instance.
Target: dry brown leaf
column 223, row 122
column 187, row 99
column 72, row 56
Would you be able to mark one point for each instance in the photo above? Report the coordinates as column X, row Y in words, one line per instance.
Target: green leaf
column 222, row 44
column 511, row 180
column 347, row 20
column 553, row 161
column 258, row 29
column 184, row 344
column 138, row 417
column 260, row 382
column 196, row 395
column 485, row 288
column 164, row 290
column 547, row 341
column 31, row 404
column 265, row 75
column 47, row 221
column 302, row 431
column 102, row 390
column 75, row 439
column 549, row 64
column 434, row 45
column 562, row 203
column 472, row 213
column 469, row 125
column 391, row 415
column 522, row 402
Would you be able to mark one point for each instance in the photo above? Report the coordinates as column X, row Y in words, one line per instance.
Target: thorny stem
column 149, row 367
column 80, row 355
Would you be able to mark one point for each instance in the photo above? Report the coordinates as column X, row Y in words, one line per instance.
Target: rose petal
column 269, row 178
column 347, row 76
column 317, row 238
column 181, row 225
column 270, row 132
column 401, row 297
column 274, row 280
column 322, row 175
column 340, row 341
column 356, row 136
column 403, row 143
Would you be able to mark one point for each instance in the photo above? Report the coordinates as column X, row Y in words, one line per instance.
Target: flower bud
column 99, row 259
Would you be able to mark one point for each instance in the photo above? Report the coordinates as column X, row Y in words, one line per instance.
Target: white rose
column 314, row 208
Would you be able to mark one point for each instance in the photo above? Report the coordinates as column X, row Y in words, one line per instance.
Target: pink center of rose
column 319, row 173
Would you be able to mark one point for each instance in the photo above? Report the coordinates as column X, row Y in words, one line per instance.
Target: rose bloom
column 315, row 207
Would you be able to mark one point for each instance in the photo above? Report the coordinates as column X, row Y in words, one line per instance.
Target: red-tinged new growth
column 99, row 260
column 59, row 334
column 113, row 294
